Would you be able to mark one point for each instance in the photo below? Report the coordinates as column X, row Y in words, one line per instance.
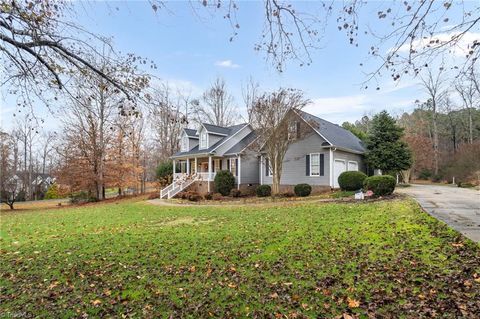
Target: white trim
column 311, row 175
column 188, row 166
column 344, row 162
column 261, row 169
column 209, row 172
column 200, row 147
column 230, row 138
column 348, row 165
column 239, row 179
column 331, row 167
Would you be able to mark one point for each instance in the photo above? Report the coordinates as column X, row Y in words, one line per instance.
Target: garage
column 352, row 166
column 339, row 167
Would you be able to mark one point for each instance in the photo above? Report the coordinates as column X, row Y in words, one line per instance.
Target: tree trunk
column 435, row 138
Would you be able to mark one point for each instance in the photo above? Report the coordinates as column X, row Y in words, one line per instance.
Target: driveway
column 458, row 207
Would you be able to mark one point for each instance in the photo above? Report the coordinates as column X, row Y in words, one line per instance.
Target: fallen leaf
column 96, row 302
column 352, row 303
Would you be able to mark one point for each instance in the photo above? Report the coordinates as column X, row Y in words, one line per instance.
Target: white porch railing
column 182, row 181
column 204, row 176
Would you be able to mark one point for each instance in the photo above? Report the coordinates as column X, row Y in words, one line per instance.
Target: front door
column 339, row 167
column 204, row 167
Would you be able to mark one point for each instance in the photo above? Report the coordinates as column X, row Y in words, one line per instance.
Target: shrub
column 165, row 173
column 437, row 178
column 183, row 195
column 52, row 192
column 263, row 191
column 217, row 196
column 351, row 181
column 224, row 182
column 425, row 174
column 235, row 193
column 380, row 185
column 194, row 197
column 302, row 190
column 208, row 196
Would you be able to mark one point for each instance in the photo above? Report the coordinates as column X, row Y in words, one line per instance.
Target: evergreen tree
column 385, row 149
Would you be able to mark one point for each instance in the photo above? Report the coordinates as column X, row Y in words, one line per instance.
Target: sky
column 191, row 47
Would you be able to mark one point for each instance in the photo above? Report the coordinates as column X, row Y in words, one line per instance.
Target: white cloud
column 227, row 64
column 338, row 109
column 458, row 48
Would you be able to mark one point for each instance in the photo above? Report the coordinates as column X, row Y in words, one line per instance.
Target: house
column 318, row 157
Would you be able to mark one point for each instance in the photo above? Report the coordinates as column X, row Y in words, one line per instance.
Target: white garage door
column 339, row 167
column 352, row 166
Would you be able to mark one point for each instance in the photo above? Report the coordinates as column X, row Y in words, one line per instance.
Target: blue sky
column 191, row 48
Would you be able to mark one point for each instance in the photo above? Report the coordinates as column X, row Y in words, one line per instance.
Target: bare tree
column 216, row 105
column 273, row 117
column 433, row 85
column 250, row 94
column 9, row 184
column 167, row 119
column 46, row 144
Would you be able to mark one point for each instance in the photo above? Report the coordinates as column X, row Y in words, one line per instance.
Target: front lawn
column 385, row 259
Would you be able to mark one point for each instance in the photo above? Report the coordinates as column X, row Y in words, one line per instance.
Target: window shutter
column 220, row 162
column 267, row 166
column 228, row 164
column 297, row 129
column 213, row 165
column 307, row 164
column 236, row 167
column 322, row 164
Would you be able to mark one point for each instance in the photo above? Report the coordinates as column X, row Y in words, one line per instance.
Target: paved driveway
column 458, row 207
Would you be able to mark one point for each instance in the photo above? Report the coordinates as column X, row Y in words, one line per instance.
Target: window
column 203, row 140
column 216, row 165
column 233, row 166
column 315, row 164
column 268, row 167
column 184, row 144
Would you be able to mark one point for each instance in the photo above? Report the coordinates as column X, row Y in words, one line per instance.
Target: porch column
column 188, row 166
column 261, row 169
column 196, row 166
column 239, row 177
column 209, row 171
column 174, row 169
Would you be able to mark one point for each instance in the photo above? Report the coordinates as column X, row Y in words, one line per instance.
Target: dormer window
column 203, row 139
column 184, row 143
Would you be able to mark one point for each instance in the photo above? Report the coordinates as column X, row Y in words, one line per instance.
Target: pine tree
column 385, row 148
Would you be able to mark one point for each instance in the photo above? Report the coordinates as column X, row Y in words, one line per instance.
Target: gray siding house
column 318, row 158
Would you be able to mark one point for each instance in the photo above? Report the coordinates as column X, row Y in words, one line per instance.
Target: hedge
column 351, row 180
column 224, row 182
column 380, row 185
column 302, row 190
column 263, row 191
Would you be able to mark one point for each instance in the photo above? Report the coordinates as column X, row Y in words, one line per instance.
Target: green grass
column 296, row 260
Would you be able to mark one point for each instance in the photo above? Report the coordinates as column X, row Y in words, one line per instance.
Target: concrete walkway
column 458, row 207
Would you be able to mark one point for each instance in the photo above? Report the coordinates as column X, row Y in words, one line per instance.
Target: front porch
column 198, row 170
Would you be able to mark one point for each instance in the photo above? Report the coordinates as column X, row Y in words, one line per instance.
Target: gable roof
column 228, row 132
column 240, row 146
column 334, row 134
column 190, row 133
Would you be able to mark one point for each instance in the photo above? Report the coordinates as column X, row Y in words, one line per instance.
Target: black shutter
column 213, row 165
column 221, row 162
column 267, row 166
column 236, row 167
column 307, row 164
column 322, row 164
column 228, row 164
column 297, row 128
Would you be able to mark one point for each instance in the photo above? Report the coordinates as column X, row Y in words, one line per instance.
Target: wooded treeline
column 442, row 132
